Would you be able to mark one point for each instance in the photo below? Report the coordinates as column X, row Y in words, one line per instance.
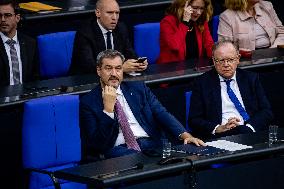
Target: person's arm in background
column 279, row 38
column 172, row 34
column 225, row 30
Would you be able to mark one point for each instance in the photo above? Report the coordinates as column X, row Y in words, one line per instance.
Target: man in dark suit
column 18, row 59
column 227, row 100
column 104, row 32
column 102, row 128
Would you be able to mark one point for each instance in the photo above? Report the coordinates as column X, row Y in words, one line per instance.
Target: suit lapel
column 115, row 40
column 98, row 96
column 243, row 87
column 100, row 40
column 131, row 98
column 24, row 58
column 216, row 94
column 5, row 60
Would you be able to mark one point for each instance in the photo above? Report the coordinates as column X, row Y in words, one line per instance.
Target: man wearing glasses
column 227, row 100
column 18, row 53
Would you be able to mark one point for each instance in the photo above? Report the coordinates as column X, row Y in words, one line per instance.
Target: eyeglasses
column 227, row 60
column 195, row 8
column 6, row 15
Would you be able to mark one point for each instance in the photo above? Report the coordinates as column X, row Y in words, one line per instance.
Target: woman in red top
column 184, row 31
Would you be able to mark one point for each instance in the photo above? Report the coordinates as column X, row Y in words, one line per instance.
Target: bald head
column 107, row 13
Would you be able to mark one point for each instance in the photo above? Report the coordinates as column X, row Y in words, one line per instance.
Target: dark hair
column 109, row 53
column 221, row 43
column 13, row 3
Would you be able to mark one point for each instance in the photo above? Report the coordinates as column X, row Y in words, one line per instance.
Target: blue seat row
column 55, row 49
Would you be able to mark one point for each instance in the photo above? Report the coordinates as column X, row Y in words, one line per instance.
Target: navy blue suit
column 100, row 131
column 206, row 105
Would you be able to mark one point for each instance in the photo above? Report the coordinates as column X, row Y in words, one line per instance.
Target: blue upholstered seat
column 51, row 138
column 146, row 41
column 215, row 24
column 55, row 53
column 187, row 106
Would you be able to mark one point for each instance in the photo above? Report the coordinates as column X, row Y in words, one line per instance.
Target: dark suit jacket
column 89, row 42
column 206, row 105
column 100, row 132
column 29, row 56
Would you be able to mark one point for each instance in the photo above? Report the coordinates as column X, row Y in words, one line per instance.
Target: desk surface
column 155, row 74
column 80, row 7
column 88, row 173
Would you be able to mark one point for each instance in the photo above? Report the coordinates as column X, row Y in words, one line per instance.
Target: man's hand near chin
column 109, row 98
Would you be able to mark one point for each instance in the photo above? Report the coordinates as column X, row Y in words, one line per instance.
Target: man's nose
column 113, row 71
column 114, row 16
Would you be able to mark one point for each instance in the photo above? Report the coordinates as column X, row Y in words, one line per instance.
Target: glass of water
column 167, row 148
column 272, row 135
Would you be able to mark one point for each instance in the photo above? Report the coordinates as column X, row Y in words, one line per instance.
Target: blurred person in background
column 184, row 31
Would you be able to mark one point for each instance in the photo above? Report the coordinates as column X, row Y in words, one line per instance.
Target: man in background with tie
column 18, row 53
column 104, row 32
column 227, row 100
column 119, row 117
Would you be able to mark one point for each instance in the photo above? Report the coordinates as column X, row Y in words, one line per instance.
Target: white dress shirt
column 7, row 48
column 104, row 31
column 137, row 130
column 228, row 108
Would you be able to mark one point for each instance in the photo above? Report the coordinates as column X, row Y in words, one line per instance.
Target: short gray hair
column 223, row 42
column 109, row 53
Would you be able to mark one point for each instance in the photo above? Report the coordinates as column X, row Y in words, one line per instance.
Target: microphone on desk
column 115, row 173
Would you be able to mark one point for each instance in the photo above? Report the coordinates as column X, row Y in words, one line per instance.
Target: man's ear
column 18, row 17
column 98, row 13
column 99, row 71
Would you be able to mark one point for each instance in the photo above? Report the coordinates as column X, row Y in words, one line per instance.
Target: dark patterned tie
column 125, row 128
column 109, row 46
column 236, row 101
column 14, row 60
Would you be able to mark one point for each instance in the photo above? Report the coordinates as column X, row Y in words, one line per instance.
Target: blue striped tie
column 236, row 101
column 15, row 62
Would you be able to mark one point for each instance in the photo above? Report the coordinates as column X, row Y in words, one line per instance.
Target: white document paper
column 228, row 145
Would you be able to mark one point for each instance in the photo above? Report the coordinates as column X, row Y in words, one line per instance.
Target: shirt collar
column 5, row 38
column 102, row 28
column 223, row 79
column 245, row 15
column 119, row 91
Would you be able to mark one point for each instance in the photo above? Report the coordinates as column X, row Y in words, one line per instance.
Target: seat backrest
column 55, row 53
column 50, row 132
column 215, row 24
column 146, row 41
column 187, row 106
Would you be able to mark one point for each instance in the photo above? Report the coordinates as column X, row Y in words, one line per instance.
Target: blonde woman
column 184, row 31
column 253, row 24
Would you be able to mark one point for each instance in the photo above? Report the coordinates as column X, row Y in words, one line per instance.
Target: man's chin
column 115, row 85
